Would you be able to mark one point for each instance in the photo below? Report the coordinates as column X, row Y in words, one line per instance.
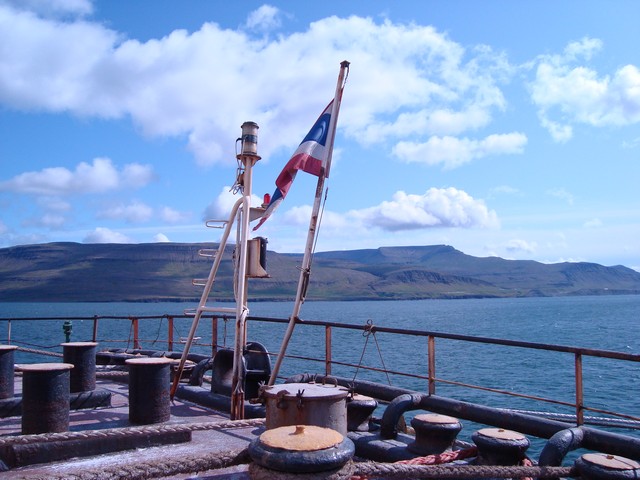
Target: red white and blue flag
column 310, row 156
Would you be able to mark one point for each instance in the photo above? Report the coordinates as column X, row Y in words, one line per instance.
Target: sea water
column 596, row 322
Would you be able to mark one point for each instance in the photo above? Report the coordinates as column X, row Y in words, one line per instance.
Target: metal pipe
column 395, row 410
column 559, row 445
column 579, row 391
column 594, row 439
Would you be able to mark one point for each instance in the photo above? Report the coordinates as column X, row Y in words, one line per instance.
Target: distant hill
column 73, row 272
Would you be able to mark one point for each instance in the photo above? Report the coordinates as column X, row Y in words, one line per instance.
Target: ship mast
column 242, row 213
column 305, row 270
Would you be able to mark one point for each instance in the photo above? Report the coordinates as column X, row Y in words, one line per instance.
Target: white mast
column 313, row 224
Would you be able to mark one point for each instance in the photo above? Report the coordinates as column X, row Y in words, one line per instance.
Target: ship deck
column 205, row 442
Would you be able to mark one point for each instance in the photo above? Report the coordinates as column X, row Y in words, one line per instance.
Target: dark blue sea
column 597, row 322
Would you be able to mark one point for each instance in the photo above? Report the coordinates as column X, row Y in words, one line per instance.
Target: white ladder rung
column 208, row 252
column 192, row 311
column 199, row 282
column 216, row 223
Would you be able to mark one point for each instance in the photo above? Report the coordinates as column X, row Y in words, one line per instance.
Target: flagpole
column 305, row 271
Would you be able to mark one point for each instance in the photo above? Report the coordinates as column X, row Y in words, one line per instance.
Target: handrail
column 431, row 336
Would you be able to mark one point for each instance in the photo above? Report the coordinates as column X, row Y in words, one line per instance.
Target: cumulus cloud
column 517, row 245
column 409, row 79
column 566, row 92
column 54, row 8
column 161, row 238
column 266, row 17
column 51, row 221
column 98, row 177
column 220, row 208
column 453, row 152
column 135, row 212
column 105, row 235
column 170, row 215
column 445, row 207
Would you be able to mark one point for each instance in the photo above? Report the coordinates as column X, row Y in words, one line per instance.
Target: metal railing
column 431, row 379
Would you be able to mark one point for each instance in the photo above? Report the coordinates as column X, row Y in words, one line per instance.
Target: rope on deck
column 153, row 469
column 40, row 352
column 129, row 431
column 395, row 470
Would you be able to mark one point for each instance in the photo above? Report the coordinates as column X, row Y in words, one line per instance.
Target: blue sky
column 498, row 127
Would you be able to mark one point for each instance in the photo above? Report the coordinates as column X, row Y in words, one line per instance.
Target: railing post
column 431, row 372
column 214, row 336
column 136, row 340
column 327, row 350
column 170, row 333
column 9, row 333
column 579, row 391
column 95, row 329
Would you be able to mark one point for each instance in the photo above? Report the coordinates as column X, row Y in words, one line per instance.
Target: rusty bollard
column 149, row 385
column 45, row 397
column 82, row 355
column 6, row 371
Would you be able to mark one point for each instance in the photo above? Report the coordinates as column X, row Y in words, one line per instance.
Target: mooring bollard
column 497, row 446
column 82, row 355
column 149, row 385
column 596, row 466
column 45, row 397
column 7, row 364
column 435, row 433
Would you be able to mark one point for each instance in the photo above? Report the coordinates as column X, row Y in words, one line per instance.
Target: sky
column 500, row 128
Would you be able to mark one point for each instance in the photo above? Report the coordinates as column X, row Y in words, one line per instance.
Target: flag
column 310, row 156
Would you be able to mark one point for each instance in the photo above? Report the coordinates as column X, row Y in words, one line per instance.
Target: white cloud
column 105, row 235
column 135, row 212
column 562, row 194
column 53, row 8
column 99, row 177
column 567, row 93
column 220, row 208
column 504, row 190
column 170, row 215
column 161, row 238
column 446, row 207
column 53, row 204
column 266, row 17
column 519, row 246
column 453, row 152
column 49, row 220
column 136, row 175
column 407, row 77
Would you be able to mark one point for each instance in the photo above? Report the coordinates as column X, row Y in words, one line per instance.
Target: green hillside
column 72, row 272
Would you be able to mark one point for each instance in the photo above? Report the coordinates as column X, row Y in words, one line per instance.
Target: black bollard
column 149, row 385
column 82, row 355
column 435, row 433
column 45, row 397
column 497, row 446
column 6, row 371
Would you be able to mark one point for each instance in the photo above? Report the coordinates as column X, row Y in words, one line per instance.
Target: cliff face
column 164, row 271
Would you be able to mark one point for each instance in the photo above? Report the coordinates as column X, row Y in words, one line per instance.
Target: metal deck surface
column 205, row 443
